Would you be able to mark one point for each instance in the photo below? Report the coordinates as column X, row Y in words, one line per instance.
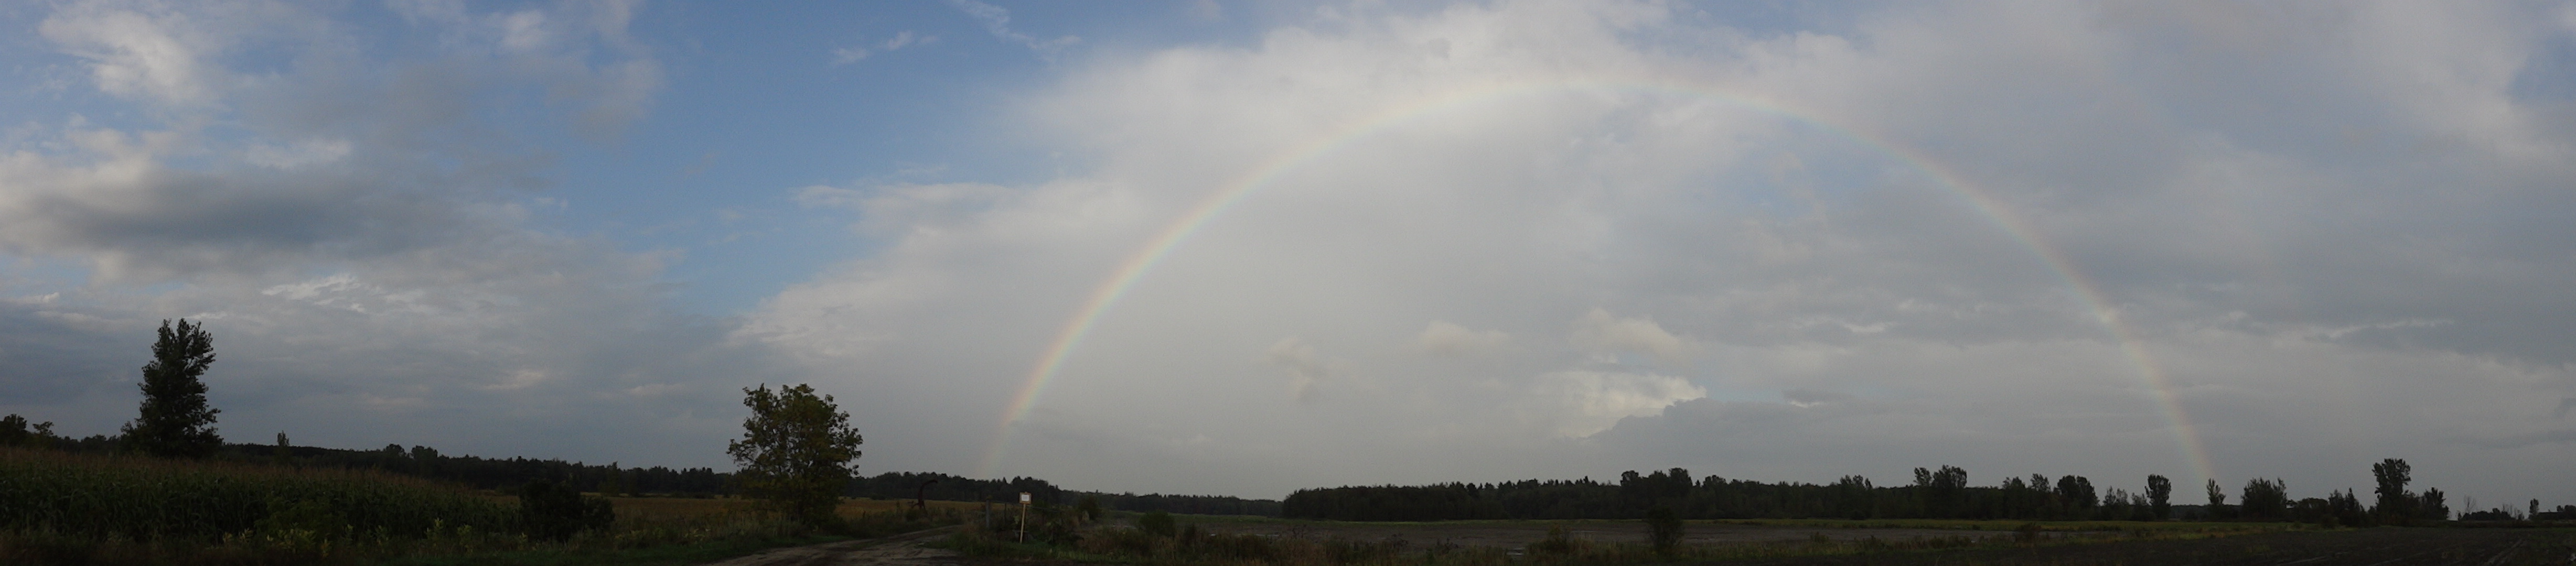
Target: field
column 2356, row 547
column 1509, row 534
column 93, row 509
column 1276, row 542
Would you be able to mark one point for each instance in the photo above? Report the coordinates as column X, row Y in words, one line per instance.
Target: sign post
column 1024, row 516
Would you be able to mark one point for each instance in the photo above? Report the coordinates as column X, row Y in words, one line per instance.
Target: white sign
column 1024, row 498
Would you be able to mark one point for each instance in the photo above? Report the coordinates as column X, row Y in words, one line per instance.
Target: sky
column 1243, row 248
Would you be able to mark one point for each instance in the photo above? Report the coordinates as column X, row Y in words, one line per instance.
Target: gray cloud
column 2319, row 250
column 357, row 235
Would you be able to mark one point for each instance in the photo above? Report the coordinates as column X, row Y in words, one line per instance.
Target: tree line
column 1941, row 493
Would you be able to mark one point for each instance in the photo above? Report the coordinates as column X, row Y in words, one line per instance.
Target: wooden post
column 1024, row 516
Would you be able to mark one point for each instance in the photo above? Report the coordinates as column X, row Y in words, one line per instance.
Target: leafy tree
column 2216, row 497
column 1664, row 530
column 2266, row 499
column 2395, row 504
column 175, row 420
column 2077, row 493
column 283, row 454
column 2160, row 496
column 14, row 431
column 2431, row 507
column 797, row 451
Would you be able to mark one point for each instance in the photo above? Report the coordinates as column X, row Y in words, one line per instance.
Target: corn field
column 138, row 498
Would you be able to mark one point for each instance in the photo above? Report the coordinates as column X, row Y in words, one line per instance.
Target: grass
column 65, row 508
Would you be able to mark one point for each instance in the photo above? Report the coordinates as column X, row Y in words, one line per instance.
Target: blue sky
column 1246, row 247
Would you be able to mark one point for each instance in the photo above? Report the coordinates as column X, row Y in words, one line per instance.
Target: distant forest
column 1942, row 494
column 505, row 475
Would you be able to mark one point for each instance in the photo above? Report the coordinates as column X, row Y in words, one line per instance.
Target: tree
column 175, row 420
column 797, row 451
column 2395, row 505
column 14, row 431
column 2265, row 499
column 2160, row 496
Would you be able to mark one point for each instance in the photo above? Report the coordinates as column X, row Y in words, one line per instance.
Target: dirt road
column 899, row 550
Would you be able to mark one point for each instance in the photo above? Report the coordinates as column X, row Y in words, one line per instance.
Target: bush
column 1664, row 530
column 1157, row 523
column 551, row 510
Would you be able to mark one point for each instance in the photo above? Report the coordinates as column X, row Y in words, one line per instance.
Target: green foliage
column 1663, row 530
column 2159, row 497
column 551, row 510
column 2265, row 499
column 797, row 451
column 175, row 420
column 1157, row 523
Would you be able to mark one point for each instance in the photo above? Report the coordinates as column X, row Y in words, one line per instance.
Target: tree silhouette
column 796, row 451
column 2160, row 496
column 2265, row 499
column 175, row 421
column 2395, row 504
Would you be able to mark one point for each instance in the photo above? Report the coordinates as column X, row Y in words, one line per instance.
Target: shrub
column 1664, row 530
column 551, row 510
column 1158, row 523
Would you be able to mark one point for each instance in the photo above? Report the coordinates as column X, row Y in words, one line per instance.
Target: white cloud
column 1449, row 339
column 1606, row 336
column 1849, row 247
column 997, row 20
column 1576, row 404
column 1307, row 371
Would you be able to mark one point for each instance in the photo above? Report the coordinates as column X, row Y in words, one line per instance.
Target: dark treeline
column 612, row 479
column 944, row 487
column 1942, row 494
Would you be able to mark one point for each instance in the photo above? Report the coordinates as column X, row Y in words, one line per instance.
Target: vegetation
column 796, row 451
column 176, row 421
column 1311, row 543
column 1937, row 493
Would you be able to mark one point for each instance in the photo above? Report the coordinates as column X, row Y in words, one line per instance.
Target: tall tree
column 2160, row 496
column 2395, row 504
column 2265, row 499
column 796, row 451
column 175, row 420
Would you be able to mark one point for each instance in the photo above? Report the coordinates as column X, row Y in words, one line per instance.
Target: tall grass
column 140, row 498
column 67, row 508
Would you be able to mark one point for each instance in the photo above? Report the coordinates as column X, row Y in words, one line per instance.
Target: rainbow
column 1108, row 293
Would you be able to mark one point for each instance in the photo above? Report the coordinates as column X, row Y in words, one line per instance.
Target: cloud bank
column 1521, row 239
